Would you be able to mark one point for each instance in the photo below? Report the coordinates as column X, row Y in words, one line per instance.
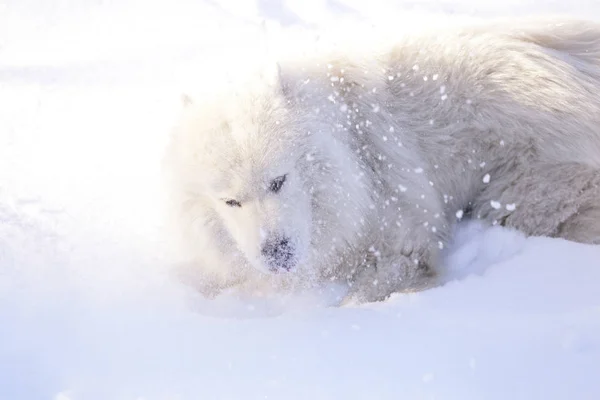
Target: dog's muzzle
column 279, row 254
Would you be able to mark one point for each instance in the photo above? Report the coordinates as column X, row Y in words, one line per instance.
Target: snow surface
column 88, row 311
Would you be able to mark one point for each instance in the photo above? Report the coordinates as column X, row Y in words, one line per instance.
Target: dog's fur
column 385, row 149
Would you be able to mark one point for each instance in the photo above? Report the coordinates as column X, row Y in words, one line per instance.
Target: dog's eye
column 233, row 203
column 277, row 183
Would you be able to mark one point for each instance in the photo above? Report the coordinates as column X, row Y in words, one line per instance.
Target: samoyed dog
column 353, row 164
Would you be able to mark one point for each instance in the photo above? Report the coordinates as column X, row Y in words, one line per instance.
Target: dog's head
column 242, row 154
column 276, row 168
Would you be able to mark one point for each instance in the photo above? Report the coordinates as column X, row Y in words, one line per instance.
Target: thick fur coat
column 354, row 164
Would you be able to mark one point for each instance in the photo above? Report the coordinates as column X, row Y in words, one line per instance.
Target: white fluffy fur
column 384, row 148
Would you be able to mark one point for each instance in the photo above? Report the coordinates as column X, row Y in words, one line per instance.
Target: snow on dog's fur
column 354, row 165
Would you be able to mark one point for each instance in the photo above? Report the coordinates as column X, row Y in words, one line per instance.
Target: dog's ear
column 284, row 81
column 274, row 76
column 269, row 73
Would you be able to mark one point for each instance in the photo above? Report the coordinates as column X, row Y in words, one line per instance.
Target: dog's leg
column 584, row 225
column 558, row 200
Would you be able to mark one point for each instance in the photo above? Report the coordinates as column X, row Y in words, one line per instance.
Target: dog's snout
column 276, row 248
column 278, row 253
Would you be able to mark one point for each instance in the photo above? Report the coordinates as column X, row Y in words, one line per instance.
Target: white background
column 88, row 90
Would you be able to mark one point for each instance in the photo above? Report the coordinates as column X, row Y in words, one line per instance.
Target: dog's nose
column 278, row 253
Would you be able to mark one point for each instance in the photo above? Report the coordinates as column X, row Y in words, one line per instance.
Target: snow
column 89, row 310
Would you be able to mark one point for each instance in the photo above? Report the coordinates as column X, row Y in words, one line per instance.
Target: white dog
column 354, row 165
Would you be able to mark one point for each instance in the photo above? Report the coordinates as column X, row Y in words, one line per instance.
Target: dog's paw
column 378, row 283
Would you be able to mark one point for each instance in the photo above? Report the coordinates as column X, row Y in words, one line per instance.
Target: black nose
column 279, row 253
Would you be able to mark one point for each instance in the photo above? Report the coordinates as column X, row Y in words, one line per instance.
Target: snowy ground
column 87, row 311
